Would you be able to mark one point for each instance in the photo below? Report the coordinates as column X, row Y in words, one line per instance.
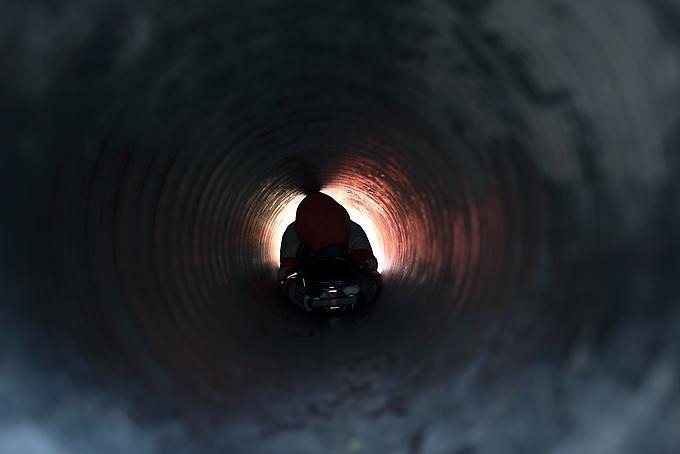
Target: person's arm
column 289, row 248
column 360, row 247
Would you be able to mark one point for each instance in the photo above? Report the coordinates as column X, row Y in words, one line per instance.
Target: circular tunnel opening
column 209, row 307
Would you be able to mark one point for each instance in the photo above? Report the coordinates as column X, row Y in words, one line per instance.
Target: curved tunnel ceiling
column 513, row 162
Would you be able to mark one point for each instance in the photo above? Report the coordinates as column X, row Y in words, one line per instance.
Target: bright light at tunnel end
column 357, row 212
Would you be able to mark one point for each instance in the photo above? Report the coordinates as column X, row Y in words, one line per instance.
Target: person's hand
column 289, row 266
column 285, row 273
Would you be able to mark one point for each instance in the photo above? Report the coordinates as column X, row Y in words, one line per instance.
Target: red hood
column 321, row 221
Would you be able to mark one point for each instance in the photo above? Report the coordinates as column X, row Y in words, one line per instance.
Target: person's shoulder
column 356, row 227
column 290, row 229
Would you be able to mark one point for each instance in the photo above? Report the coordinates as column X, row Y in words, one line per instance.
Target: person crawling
column 326, row 259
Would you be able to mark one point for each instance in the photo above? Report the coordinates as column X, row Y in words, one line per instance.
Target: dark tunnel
column 514, row 164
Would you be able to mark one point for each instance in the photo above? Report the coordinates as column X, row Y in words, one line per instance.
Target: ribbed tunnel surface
column 513, row 163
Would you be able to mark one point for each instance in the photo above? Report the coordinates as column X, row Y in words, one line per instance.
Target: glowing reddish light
column 282, row 220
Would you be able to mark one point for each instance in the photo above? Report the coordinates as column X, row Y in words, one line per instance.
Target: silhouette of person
column 323, row 227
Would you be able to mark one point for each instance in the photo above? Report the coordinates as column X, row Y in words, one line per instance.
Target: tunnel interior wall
column 517, row 160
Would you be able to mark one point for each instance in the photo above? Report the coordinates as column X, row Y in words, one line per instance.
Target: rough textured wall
column 518, row 160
